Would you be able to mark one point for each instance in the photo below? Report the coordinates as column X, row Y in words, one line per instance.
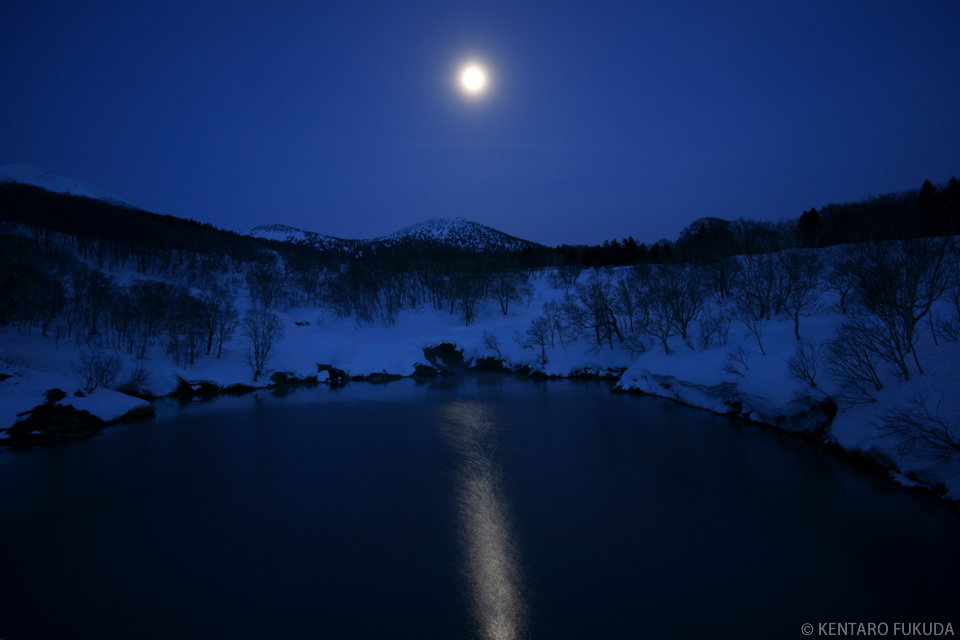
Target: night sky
column 602, row 119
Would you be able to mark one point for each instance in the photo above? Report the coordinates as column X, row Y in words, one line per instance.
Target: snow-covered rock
column 27, row 388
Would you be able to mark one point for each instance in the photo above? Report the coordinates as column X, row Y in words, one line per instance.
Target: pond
column 470, row 507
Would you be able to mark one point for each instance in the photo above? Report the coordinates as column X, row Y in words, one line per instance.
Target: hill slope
column 25, row 173
column 454, row 233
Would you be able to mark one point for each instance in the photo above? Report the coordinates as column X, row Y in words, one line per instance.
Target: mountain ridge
column 454, row 232
column 30, row 174
column 435, row 233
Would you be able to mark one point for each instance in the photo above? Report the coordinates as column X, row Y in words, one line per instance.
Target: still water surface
column 473, row 507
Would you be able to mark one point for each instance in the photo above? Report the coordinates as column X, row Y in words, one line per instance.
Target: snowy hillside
column 723, row 370
column 449, row 232
column 283, row 233
column 800, row 339
column 25, row 173
column 456, row 232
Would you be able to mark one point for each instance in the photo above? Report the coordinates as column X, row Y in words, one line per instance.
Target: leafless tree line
column 614, row 306
column 375, row 291
column 887, row 291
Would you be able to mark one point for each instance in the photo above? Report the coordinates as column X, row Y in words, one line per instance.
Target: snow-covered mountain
column 25, row 173
column 448, row 232
column 456, row 232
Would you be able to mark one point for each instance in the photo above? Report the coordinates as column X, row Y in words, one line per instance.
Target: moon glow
column 473, row 79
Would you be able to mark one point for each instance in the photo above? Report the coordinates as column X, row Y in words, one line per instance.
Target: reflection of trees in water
column 490, row 556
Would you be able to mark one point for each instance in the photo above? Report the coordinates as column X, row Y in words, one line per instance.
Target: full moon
column 473, row 79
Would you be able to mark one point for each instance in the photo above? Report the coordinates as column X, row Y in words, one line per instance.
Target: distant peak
column 453, row 232
column 456, row 232
column 271, row 227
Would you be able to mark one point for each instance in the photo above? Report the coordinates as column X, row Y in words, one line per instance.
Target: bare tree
column 922, row 430
column 262, row 329
column 150, row 301
column 536, row 335
column 723, row 276
column 626, row 297
column 97, row 369
column 510, row 285
column 753, row 319
column 184, row 327
column 715, row 327
column 264, row 279
column 761, row 285
column 897, row 283
column 660, row 324
column 573, row 317
column 671, row 298
column 598, row 299
column 803, row 271
column 220, row 319
column 554, row 318
column 491, row 342
column 92, row 294
column 564, row 277
column 310, row 276
column 841, row 278
column 681, row 294
column 136, row 382
column 854, row 356
column 468, row 289
column 737, row 362
column 805, row 363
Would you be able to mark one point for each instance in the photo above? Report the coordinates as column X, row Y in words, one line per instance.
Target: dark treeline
column 929, row 211
column 115, row 234
column 374, row 287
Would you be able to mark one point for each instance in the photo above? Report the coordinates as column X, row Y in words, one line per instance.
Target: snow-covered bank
column 751, row 386
column 36, row 408
column 27, row 389
column 731, row 376
column 759, row 388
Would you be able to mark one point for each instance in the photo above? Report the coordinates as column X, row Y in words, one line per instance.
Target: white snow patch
column 27, row 389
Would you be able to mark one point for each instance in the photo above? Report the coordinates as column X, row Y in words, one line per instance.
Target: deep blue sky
column 605, row 119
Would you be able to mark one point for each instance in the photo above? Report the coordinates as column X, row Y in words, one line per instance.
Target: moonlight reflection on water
column 474, row 507
column 491, row 559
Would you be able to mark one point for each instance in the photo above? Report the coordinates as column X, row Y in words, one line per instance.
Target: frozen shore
column 754, row 385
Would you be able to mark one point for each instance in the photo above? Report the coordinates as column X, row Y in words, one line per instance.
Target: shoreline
column 811, row 424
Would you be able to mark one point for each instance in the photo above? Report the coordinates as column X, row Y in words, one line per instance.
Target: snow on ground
column 855, row 428
column 692, row 375
column 27, row 389
column 698, row 378
column 769, row 395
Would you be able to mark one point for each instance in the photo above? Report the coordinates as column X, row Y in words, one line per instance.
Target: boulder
column 446, row 357
column 51, row 423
